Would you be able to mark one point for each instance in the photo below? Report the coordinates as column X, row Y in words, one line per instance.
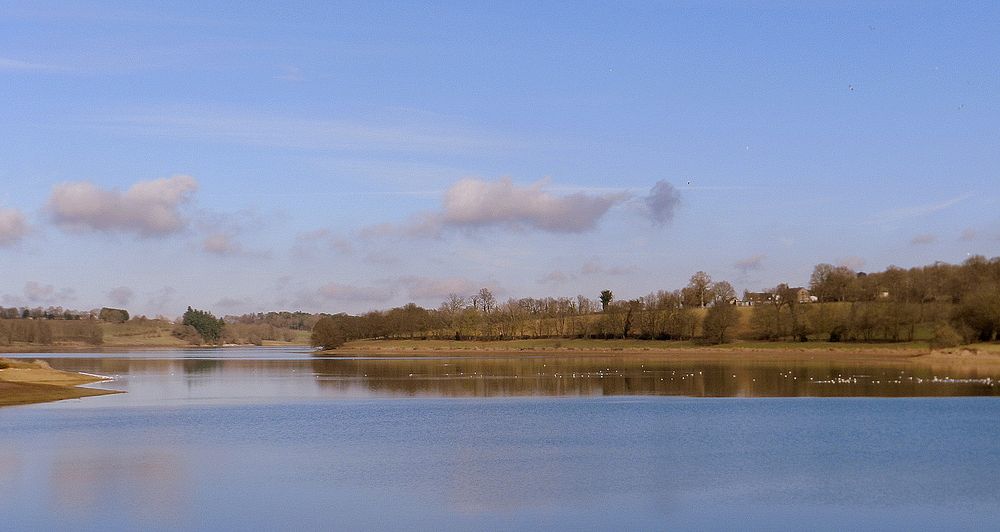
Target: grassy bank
column 35, row 382
column 142, row 334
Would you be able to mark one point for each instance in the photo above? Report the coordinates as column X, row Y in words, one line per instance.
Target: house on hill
column 751, row 299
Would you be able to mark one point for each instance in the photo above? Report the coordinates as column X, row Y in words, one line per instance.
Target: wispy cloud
column 223, row 233
column 121, row 295
column 222, row 244
column 232, row 303
column 337, row 296
column 556, row 277
column 923, row 240
column 906, row 213
column 290, row 73
column 435, row 289
column 594, row 267
column 344, row 293
column 163, row 301
column 395, row 134
column 18, row 65
column 36, row 293
column 309, row 243
column 853, row 263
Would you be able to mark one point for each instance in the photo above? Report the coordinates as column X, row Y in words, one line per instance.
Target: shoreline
column 24, row 383
column 27, row 349
column 986, row 356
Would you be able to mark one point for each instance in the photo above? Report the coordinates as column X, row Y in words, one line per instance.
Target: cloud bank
column 148, row 208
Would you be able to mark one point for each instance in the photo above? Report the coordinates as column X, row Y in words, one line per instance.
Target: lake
column 278, row 438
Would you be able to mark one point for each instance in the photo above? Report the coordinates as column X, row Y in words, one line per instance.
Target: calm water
column 278, row 439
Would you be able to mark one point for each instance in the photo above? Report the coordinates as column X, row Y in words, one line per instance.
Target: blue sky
column 337, row 156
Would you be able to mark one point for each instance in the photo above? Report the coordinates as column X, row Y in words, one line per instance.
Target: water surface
column 277, row 439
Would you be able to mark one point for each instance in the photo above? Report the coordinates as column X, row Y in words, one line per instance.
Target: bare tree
column 698, row 291
column 723, row 293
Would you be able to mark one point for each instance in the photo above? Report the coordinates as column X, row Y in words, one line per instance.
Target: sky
column 348, row 156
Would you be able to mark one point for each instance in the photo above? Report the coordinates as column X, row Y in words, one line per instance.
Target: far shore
column 23, row 382
column 984, row 355
column 81, row 347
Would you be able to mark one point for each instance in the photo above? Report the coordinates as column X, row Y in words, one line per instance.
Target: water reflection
column 588, row 376
column 150, row 483
column 298, row 374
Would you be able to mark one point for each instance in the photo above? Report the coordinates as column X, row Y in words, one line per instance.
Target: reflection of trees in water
column 202, row 365
column 575, row 376
column 583, row 376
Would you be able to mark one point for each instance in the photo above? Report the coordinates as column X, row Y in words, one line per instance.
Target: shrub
column 945, row 336
column 327, row 334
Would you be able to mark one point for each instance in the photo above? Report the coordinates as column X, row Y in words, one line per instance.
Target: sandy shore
column 24, row 382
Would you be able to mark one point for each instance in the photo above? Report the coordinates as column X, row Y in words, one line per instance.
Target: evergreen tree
column 207, row 325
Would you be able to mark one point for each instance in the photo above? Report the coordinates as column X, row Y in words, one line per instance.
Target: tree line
column 944, row 303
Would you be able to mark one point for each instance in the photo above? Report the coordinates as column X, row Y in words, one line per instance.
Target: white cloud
column 923, row 240
column 148, row 208
column 121, row 295
column 475, row 203
column 662, row 201
column 13, row 226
